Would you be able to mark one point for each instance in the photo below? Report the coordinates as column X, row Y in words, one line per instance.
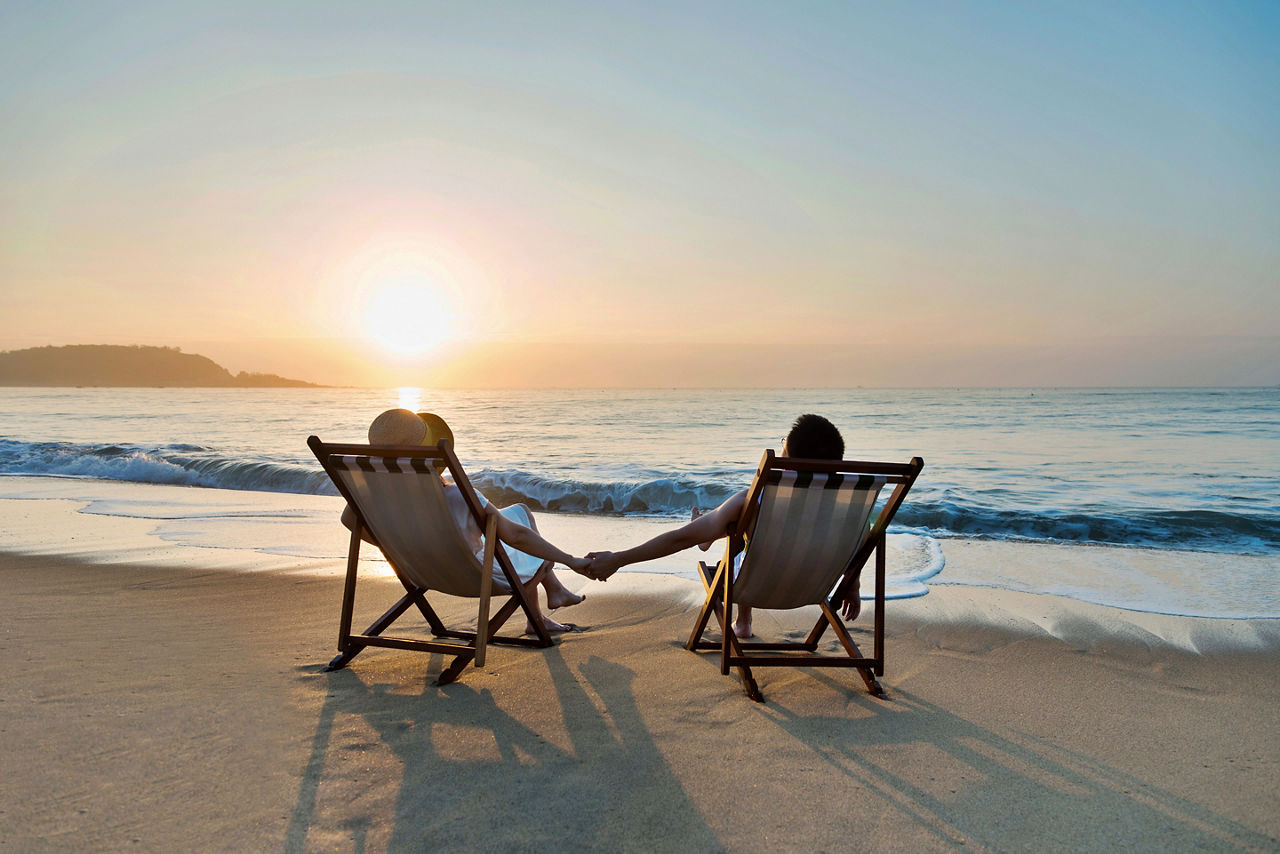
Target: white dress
column 526, row 566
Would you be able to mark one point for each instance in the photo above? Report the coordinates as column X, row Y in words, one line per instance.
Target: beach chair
column 808, row 533
column 399, row 501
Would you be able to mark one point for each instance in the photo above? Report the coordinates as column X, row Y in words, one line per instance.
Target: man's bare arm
column 705, row 528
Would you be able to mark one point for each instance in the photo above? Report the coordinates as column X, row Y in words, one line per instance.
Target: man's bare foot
column 562, row 598
column 742, row 630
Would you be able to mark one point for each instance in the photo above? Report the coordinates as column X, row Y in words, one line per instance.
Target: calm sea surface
column 1192, row 470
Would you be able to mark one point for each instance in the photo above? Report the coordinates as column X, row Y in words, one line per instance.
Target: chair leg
column 454, row 670
column 744, row 671
column 714, row 580
column 438, row 627
column 709, row 607
column 851, row 648
column 482, row 628
column 486, row 583
column 519, row 598
column 811, row 642
column 878, row 643
column 486, row 628
column 341, row 660
column 700, row 627
column 351, row 650
column 345, row 653
column 749, row 685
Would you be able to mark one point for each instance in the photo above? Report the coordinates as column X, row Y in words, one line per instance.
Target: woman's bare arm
column 531, row 542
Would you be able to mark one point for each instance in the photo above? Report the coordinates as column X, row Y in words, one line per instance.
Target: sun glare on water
column 407, row 316
column 410, row 398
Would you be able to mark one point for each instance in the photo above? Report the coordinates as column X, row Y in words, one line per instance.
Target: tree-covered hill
column 113, row 365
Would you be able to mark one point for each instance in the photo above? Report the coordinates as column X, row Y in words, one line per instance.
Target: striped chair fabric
column 413, row 523
column 808, row 528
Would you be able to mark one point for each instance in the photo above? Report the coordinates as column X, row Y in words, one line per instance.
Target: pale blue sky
column 653, row 194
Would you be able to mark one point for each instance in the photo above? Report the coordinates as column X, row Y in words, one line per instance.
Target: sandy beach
column 171, row 708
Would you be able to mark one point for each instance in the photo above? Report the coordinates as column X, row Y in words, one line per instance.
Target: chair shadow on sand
column 1018, row 791
column 498, row 783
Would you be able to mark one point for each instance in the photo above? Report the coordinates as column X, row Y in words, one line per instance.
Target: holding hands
column 600, row 565
column 701, row 531
column 596, row 565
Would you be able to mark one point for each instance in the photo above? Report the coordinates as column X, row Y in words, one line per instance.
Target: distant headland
column 119, row 366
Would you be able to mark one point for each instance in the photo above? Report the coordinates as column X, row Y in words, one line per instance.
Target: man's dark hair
column 813, row 437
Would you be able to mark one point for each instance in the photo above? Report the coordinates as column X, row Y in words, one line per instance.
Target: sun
column 408, row 316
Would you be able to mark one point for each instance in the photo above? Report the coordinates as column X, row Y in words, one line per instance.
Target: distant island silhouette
column 121, row 366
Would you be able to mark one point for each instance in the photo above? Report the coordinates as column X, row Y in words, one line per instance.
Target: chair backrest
column 806, row 521
column 400, row 497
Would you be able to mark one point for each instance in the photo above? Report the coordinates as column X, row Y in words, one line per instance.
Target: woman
column 532, row 556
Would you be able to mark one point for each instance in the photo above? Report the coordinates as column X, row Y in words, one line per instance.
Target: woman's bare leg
column 742, row 625
column 531, row 592
column 558, row 596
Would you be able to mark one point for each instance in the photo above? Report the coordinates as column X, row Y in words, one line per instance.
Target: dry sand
column 165, row 709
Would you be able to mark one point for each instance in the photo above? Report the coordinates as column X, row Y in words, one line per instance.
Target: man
column 811, row 437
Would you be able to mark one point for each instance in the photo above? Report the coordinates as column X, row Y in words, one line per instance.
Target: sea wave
column 1245, row 529
column 1185, row 530
column 664, row 496
column 174, row 465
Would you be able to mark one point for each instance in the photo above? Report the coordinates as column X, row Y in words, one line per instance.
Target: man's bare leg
column 742, row 625
column 694, row 514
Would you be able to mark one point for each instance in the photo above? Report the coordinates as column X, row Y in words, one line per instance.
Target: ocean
column 1183, row 471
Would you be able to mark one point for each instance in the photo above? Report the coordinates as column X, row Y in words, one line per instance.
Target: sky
column 594, row 194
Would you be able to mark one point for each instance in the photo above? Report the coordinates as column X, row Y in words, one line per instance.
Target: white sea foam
column 305, row 527
column 256, row 530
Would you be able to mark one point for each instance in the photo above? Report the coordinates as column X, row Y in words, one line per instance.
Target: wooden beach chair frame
column 719, row 580
column 465, row 646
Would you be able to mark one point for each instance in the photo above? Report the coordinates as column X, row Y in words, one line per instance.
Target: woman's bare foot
column 742, row 630
column 563, row 599
column 550, row 625
column 559, row 596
